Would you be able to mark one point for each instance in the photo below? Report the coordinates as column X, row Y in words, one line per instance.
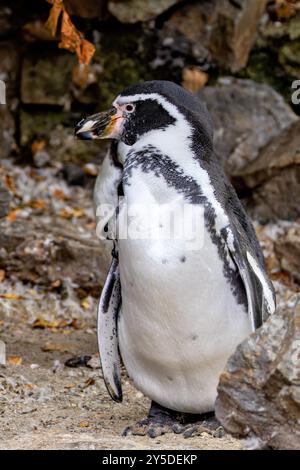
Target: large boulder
column 218, row 31
column 132, row 11
column 274, row 177
column 47, row 252
column 246, row 116
column 4, row 200
column 259, row 392
column 8, row 74
column 287, row 249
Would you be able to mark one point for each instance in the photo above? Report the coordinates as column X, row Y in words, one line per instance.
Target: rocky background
column 242, row 58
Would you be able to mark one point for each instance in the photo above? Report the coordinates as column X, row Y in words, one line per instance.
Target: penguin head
column 143, row 108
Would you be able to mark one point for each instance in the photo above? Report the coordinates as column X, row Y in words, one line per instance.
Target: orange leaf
column 9, row 183
column 14, row 360
column 54, row 15
column 2, row 275
column 11, row 297
column 87, row 50
column 12, row 216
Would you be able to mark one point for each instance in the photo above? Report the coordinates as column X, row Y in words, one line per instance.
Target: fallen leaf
column 68, row 213
column 42, row 324
column 51, row 347
column 59, row 194
column 37, row 204
column 9, row 183
column 70, row 386
column 37, row 146
column 11, row 297
column 14, row 360
column 83, row 424
column 12, row 216
column 89, row 382
column 85, row 303
column 2, row 275
column 56, row 283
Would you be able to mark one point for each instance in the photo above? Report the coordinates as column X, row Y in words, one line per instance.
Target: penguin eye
column 129, row 108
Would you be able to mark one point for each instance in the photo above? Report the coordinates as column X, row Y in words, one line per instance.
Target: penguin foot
column 160, row 421
column 206, row 423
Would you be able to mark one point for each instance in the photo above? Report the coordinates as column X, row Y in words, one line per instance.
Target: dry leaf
column 14, row 360
column 194, row 79
column 70, row 386
column 286, row 8
column 37, row 204
column 11, row 297
column 85, row 303
column 83, row 424
column 2, row 275
column 59, row 194
column 54, row 15
column 12, row 216
column 71, row 38
column 68, row 213
column 52, row 347
column 42, row 324
column 89, row 382
column 37, row 146
column 9, row 183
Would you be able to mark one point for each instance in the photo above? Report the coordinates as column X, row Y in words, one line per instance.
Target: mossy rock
column 289, row 57
column 57, row 130
column 46, row 77
column 124, row 57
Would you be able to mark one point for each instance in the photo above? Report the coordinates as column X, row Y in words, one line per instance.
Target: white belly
column 179, row 321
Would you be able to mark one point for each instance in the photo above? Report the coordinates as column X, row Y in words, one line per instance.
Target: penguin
column 170, row 311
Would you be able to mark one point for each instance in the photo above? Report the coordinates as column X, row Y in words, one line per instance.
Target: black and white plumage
column 174, row 315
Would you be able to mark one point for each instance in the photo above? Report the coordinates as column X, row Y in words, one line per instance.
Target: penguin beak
column 105, row 125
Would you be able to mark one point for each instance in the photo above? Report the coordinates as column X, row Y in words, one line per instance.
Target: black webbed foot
column 161, row 421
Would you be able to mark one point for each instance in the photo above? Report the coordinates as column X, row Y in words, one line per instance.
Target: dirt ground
column 46, row 405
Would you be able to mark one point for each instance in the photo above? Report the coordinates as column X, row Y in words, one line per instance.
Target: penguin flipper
column 107, row 333
column 259, row 290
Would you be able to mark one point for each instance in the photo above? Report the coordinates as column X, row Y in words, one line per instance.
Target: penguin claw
column 211, row 427
column 152, row 428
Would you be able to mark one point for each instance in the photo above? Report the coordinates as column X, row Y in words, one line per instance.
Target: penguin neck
column 174, row 141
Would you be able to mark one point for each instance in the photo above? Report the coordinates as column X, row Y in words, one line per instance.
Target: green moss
column 124, row 58
column 289, row 57
column 46, row 78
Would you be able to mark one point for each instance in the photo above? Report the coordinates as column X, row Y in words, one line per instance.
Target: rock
column 5, row 199
column 289, row 57
column 56, row 129
column 43, row 253
column 74, row 175
column 259, row 392
column 274, row 177
column 88, row 9
column 8, row 73
column 5, row 19
column 215, row 31
column 132, row 11
column 246, row 115
column 46, row 78
column 287, row 249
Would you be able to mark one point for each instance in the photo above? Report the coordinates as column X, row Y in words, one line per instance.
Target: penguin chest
column 180, row 320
